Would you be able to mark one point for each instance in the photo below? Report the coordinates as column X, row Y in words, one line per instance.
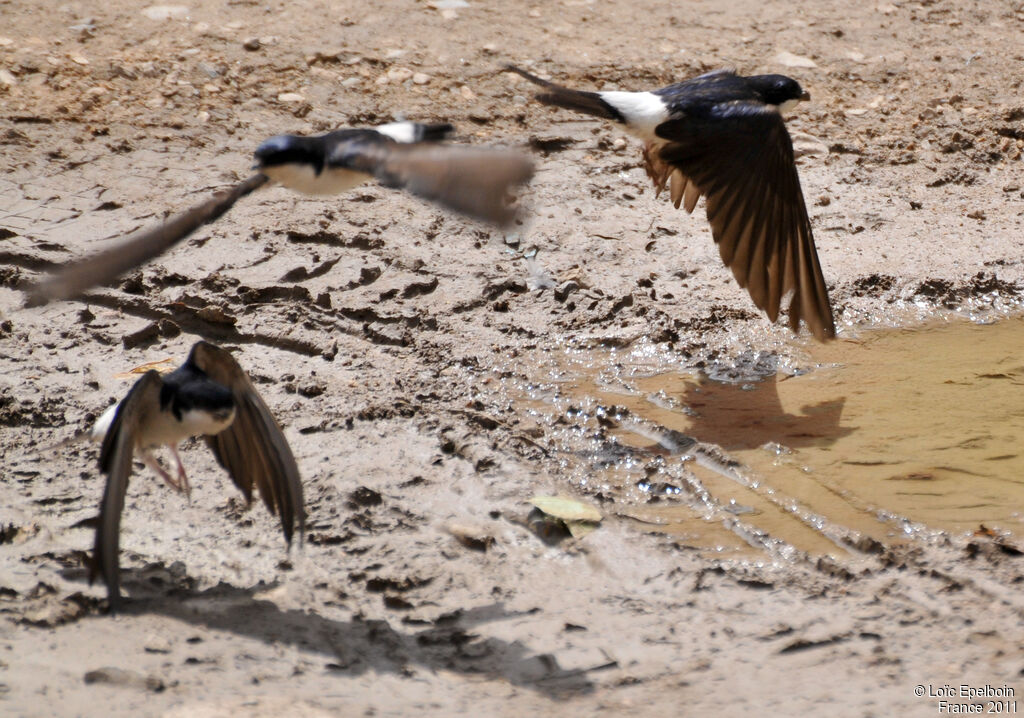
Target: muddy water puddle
column 894, row 433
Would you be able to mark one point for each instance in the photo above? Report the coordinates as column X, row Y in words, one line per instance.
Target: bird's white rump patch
column 102, row 425
column 399, row 131
column 643, row 111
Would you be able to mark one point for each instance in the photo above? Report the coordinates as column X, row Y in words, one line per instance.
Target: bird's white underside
column 642, row 111
column 303, row 178
column 163, row 428
column 788, row 105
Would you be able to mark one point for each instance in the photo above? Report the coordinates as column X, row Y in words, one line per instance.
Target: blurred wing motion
column 474, row 182
column 73, row 279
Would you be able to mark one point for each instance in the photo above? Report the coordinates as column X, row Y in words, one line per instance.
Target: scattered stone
column 565, row 289
column 157, row 644
column 79, row 59
column 289, row 97
column 804, row 144
column 215, row 315
column 168, row 328
column 166, row 12
column 7, row 78
column 252, row 44
column 420, row 78
column 467, row 93
column 399, row 74
column 788, row 59
column 147, row 335
column 120, row 677
column 473, row 537
column 364, row 496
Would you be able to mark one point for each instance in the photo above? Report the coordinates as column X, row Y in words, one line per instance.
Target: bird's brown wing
column 253, row 449
column 116, row 462
column 740, row 157
column 474, row 182
column 72, row 279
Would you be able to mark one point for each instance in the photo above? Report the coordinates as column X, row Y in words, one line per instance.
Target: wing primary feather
column 254, row 450
column 116, row 457
column 73, row 279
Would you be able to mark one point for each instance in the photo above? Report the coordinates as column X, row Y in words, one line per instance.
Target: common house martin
column 210, row 396
column 722, row 136
column 410, row 156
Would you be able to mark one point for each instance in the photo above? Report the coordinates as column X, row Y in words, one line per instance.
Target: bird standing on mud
column 722, row 136
column 209, row 396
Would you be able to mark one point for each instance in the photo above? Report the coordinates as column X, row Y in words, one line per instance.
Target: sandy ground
column 397, row 343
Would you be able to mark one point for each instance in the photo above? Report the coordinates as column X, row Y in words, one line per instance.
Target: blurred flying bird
column 472, row 181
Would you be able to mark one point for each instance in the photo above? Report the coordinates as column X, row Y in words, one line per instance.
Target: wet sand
column 415, row 363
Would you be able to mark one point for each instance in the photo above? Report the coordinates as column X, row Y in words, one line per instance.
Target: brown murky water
column 896, row 432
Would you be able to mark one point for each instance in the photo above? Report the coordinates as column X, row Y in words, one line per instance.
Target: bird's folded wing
column 474, row 182
column 116, row 462
column 72, row 279
column 253, row 449
column 740, row 158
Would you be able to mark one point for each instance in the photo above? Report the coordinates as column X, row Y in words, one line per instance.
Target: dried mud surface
column 395, row 343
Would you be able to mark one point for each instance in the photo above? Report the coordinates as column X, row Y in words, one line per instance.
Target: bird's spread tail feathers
column 590, row 103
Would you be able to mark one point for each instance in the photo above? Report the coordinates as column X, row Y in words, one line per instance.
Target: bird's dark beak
column 806, row 96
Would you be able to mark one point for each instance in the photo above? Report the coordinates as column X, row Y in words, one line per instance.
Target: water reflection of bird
column 750, row 414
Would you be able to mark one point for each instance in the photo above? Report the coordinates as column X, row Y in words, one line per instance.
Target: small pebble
column 252, row 44
column 788, row 59
column 290, row 97
column 420, row 78
column 399, row 74
column 165, row 12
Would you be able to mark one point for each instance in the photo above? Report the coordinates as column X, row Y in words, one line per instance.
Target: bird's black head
column 287, row 150
column 778, row 89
